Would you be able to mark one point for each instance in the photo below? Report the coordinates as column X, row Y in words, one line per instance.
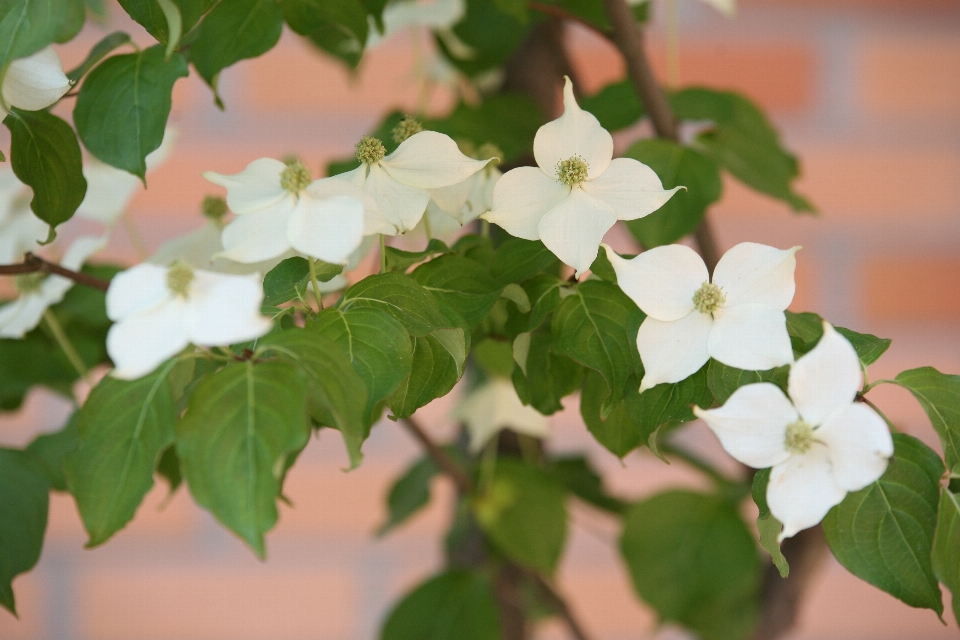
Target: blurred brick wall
column 867, row 92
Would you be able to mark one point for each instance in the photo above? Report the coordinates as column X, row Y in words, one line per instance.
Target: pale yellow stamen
column 799, row 437
column 572, row 171
column 179, row 278
column 370, row 150
column 406, row 128
column 295, row 178
column 708, row 298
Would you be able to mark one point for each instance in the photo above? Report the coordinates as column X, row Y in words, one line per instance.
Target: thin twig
column 33, row 263
column 443, row 460
column 563, row 14
column 561, row 607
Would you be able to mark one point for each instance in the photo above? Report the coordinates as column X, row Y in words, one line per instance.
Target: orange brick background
column 867, row 92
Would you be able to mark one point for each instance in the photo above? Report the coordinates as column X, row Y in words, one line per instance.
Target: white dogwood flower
column 20, row 230
column 34, row 82
column 578, row 191
column 412, row 14
column 495, row 406
column 737, row 319
column 820, row 446
column 158, row 311
column 279, row 207
column 38, row 291
column 400, row 183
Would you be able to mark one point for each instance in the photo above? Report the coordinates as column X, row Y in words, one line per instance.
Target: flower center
column 403, row 130
column 179, row 278
column 370, row 150
column 215, row 207
column 572, row 171
column 799, row 437
column 295, row 178
column 708, row 298
column 29, row 282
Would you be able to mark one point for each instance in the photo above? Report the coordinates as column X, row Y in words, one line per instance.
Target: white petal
column 802, row 489
column 860, row 445
column 35, row 82
column 137, row 290
column 224, row 309
column 726, row 7
column 452, row 199
column 260, row 235
column 575, row 133
column 825, row 379
column 631, row 188
column 11, row 192
column 401, row 205
column 330, row 229
column 673, row 351
column 442, row 225
column 19, row 233
column 574, row 228
column 480, row 199
column 429, row 160
column 159, row 155
column 410, row 13
column 22, row 315
column 374, row 220
column 256, row 187
column 750, row 336
column 495, row 406
column 751, row 272
column 521, row 198
column 81, row 249
column 661, row 281
column 752, row 424
column 109, row 191
column 140, row 343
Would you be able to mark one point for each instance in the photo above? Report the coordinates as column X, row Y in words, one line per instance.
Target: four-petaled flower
column 820, row 446
column 495, row 406
column 280, row 207
column 34, row 82
column 579, row 190
column 158, row 311
column 736, row 319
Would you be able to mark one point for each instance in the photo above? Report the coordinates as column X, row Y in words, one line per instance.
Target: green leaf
column 616, row 431
column 461, row 283
column 669, row 403
column 286, row 281
column 399, row 260
column 524, row 514
column 616, row 106
column 336, row 394
column 169, row 468
column 939, row 395
column 694, row 561
column 494, row 357
column 339, row 28
column 24, row 501
column 456, row 605
column 591, row 327
column 768, row 526
column 517, row 260
column 241, row 425
column 409, row 494
column 946, row 546
column 26, row 26
column 124, row 428
column 233, row 31
column 150, row 15
column 723, row 380
column 491, row 35
column 377, row 345
column 583, row 481
column 806, row 328
column 400, row 296
column 545, row 377
column 743, row 142
column 543, row 293
column 884, row 533
column 98, row 53
column 171, row 12
column 45, row 155
column 123, row 106
column 52, row 448
column 676, row 165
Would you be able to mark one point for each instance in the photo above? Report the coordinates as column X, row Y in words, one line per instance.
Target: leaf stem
column 447, row 464
column 383, row 254
column 316, row 284
column 65, row 345
column 880, row 413
column 875, row 383
column 697, row 463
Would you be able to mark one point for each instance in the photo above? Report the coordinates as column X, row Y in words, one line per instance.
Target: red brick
column 917, row 76
column 912, row 288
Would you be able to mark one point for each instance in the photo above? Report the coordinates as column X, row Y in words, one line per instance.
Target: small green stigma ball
column 295, row 178
column 213, row 207
column 406, row 128
column 370, row 150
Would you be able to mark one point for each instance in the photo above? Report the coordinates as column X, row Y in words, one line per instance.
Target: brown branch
column 561, row 607
column 563, row 14
column 447, row 464
column 35, row 264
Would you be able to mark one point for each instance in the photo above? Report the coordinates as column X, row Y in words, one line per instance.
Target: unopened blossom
column 158, row 311
column 577, row 191
column 737, row 318
column 38, row 291
column 34, row 82
column 820, row 442
column 400, row 183
column 495, row 406
column 20, row 229
column 281, row 208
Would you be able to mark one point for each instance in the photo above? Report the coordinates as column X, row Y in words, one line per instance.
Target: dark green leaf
column 616, row 431
column 339, row 27
column 149, row 14
column 768, row 526
column 461, row 283
column 582, row 480
column 233, row 31
column 456, row 605
column 723, row 380
column 603, row 268
column 616, row 106
column 400, row 296
column 398, row 260
column 507, row 120
column 524, row 514
column 491, row 35
column 241, row 425
column 677, row 166
column 52, row 448
column 517, row 260
column 286, row 281
column 669, row 403
column 123, row 106
column 694, row 561
column 939, row 395
column 544, row 377
column 884, row 533
column 45, row 155
column 124, row 428
column 26, row 26
column 409, row 494
column 543, row 292
column 24, row 500
column 169, row 468
column 946, row 546
column 806, row 328
column 98, row 53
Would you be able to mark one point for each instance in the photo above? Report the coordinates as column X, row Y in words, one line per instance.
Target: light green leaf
column 286, row 281
column 616, row 431
column 946, row 546
column 524, row 513
column 45, row 155
column 768, row 526
column 124, row 428
column 543, row 294
column 616, row 106
column 491, row 35
column 241, row 425
column 151, row 16
column 98, row 53
column 461, row 283
column 233, row 31
column 24, row 500
column 409, row 494
column 52, row 448
column 939, row 395
column 26, row 26
column 694, row 561
column 456, row 605
column 884, row 533
column 171, row 12
column 400, row 296
column 123, row 106
column 669, row 403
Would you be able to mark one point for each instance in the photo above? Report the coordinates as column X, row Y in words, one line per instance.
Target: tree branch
column 563, row 14
column 561, row 606
column 35, row 264
column 447, row 464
